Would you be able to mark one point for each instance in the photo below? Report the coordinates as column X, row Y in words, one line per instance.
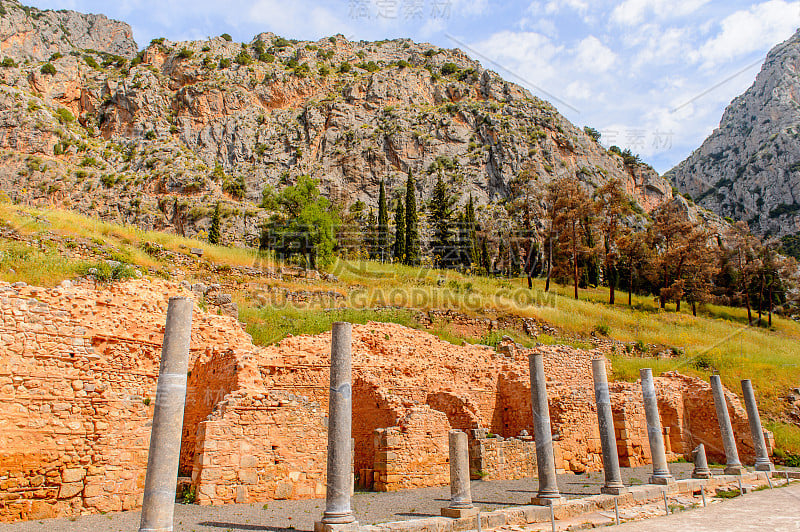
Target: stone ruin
column 78, row 372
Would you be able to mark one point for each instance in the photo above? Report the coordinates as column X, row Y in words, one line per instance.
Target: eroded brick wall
column 502, row 458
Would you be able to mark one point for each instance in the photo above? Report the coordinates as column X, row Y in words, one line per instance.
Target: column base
column 614, row 490
column 701, row 474
column 457, row 513
column 548, row 501
column 765, row 466
column 735, row 470
column 662, row 481
column 322, row 526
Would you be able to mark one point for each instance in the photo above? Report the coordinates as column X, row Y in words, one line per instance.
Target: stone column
column 460, row 492
column 543, row 435
column 340, row 418
column 701, row 469
column 661, row 474
column 763, row 463
column 161, row 481
column 733, row 465
column 608, row 438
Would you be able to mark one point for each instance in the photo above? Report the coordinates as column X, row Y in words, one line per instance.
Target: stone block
column 283, row 490
column 458, row 513
column 72, row 475
column 241, row 494
column 70, row 490
column 248, row 476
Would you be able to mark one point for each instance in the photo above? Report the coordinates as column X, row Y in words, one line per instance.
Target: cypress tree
column 441, row 213
column 464, row 252
column 213, row 231
column 370, row 242
column 472, row 251
column 383, row 225
column 399, row 250
column 412, row 223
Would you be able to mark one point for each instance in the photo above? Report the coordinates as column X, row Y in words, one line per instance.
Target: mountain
column 156, row 138
column 749, row 168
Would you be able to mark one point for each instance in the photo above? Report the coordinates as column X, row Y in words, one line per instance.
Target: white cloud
column 750, row 30
column 593, row 56
column 282, row 18
column 580, row 90
column 633, row 12
column 528, row 54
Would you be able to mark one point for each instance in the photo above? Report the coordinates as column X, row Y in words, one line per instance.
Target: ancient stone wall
column 78, row 372
column 260, row 447
column 414, row 454
column 502, row 458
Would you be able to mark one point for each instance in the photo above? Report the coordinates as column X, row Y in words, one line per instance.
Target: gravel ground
column 370, row 508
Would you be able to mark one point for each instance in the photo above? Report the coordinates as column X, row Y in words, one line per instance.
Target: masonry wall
column 414, row 454
column 260, row 447
column 502, row 459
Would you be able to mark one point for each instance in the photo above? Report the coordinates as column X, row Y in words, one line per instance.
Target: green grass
column 45, row 268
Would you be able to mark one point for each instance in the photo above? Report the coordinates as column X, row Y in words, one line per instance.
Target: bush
column 185, row 53
column 150, row 135
column 91, row 62
column 227, row 37
column 64, row 115
column 449, row 69
column 371, row 66
column 55, row 56
column 266, row 57
column 243, row 58
column 108, row 180
column 49, row 69
column 235, row 187
column 345, row 67
column 224, row 63
column 8, row 62
column 105, row 272
column 603, row 329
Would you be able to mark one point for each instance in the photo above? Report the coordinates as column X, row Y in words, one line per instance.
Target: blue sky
column 652, row 75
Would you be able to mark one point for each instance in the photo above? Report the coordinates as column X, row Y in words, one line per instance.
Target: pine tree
column 441, row 213
column 399, row 250
column 383, row 225
column 612, row 206
column 412, row 223
column 464, row 258
column 213, row 231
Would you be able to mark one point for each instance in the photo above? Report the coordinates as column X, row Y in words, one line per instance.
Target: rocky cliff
column 749, row 168
column 157, row 138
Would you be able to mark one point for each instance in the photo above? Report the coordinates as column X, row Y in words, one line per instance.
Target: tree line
column 562, row 232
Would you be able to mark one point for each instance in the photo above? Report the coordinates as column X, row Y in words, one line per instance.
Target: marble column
column 545, row 460
column 661, row 474
column 763, row 463
column 161, row 480
column 733, row 465
column 608, row 438
column 701, row 469
column 460, row 492
column 340, row 418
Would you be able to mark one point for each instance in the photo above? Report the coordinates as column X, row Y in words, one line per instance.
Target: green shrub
column 104, row 272
column 150, row 135
column 48, row 68
column 108, row 180
column 64, row 115
column 266, row 57
column 8, row 62
column 243, row 58
column 185, row 53
column 345, row 67
column 603, row 329
column 227, row 37
column 91, row 62
column 55, row 56
column 235, row 187
column 224, row 63
column 449, row 69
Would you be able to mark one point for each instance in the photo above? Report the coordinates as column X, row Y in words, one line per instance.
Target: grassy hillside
column 56, row 245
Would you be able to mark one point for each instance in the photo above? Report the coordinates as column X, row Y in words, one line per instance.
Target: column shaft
column 340, row 412
column 460, row 491
column 608, row 437
column 733, row 465
column 545, row 460
column 763, row 463
column 165, row 437
column 661, row 474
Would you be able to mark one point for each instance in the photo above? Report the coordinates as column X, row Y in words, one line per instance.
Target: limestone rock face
column 749, row 168
column 159, row 139
column 29, row 33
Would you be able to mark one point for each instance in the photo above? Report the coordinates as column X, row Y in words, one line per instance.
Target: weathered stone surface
column 747, row 168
